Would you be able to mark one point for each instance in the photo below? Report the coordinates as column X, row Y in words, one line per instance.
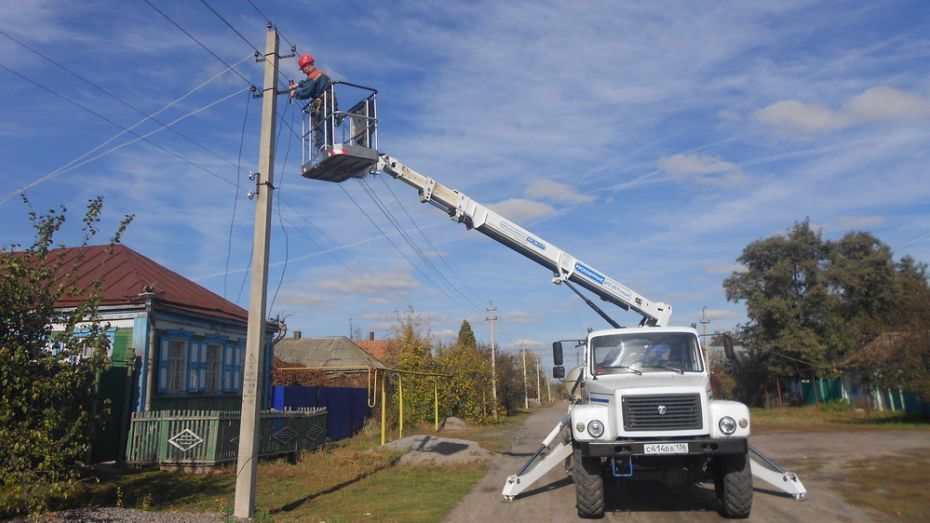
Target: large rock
column 453, row 423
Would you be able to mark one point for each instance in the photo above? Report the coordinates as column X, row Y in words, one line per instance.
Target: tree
column 786, row 298
column 49, row 361
column 412, row 352
column 812, row 304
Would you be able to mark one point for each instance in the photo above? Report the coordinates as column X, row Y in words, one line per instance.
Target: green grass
column 830, row 417
column 352, row 480
column 895, row 486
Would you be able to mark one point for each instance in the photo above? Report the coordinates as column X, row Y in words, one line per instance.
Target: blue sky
column 652, row 140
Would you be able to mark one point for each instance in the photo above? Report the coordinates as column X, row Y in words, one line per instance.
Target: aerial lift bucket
column 337, row 145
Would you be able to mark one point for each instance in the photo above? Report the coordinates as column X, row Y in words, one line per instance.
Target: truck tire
column 589, row 485
column 733, row 486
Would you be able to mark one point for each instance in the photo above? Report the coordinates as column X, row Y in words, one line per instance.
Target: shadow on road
column 649, row 496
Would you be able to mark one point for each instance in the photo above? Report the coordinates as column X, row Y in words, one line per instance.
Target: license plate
column 665, row 448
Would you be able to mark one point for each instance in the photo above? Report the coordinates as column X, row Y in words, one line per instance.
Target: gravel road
column 553, row 497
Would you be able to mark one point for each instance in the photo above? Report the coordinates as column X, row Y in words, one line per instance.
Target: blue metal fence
column 346, row 407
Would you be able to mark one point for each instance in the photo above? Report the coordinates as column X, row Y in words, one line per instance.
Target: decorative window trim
column 233, row 356
column 164, row 363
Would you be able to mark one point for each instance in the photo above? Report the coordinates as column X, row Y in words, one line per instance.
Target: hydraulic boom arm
column 565, row 268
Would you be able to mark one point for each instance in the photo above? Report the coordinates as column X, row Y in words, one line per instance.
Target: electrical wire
column 426, row 238
column 232, row 221
column 287, row 251
column 268, row 20
column 416, row 249
column 192, row 37
column 71, row 165
column 229, row 25
column 398, row 249
column 123, row 102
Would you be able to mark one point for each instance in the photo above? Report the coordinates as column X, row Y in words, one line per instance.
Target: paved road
column 553, row 497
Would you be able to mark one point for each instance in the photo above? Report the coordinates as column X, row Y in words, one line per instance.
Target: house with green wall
column 174, row 345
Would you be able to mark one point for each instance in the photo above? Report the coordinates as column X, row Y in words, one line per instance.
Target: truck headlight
column 595, row 428
column 727, row 425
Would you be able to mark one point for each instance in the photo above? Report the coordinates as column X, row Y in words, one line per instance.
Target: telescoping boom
column 565, row 267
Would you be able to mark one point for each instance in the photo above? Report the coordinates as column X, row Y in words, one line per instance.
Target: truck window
column 646, row 352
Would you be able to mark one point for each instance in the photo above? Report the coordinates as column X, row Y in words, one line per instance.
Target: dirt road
column 553, row 497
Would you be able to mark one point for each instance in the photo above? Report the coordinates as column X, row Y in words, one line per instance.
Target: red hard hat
column 304, row 60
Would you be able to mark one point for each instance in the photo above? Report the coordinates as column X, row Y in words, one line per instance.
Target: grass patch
column 896, row 486
column 352, row 480
column 829, row 417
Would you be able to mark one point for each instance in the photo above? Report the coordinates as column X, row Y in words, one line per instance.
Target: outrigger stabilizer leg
column 774, row 475
column 546, row 458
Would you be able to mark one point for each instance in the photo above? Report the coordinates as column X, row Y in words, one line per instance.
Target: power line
column 417, row 249
column 125, row 103
column 229, row 25
column 419, row 252
column 287, row 248
column 236, row 194
column 398, row 249
column 71, row 166
column 261, row 14
column 205, row 48
column 426, row 238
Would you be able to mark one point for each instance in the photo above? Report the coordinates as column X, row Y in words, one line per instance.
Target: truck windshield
column 646, row 352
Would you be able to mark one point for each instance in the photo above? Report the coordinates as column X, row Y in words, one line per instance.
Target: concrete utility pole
column 491, row 317
column 247, row 465
column 704, row 322
column 526, row 393
column 538, row 388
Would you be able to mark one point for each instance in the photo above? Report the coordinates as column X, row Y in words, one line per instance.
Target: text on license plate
column 665, row 448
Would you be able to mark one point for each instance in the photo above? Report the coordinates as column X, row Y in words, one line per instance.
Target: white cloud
column 791, row 116
column 518, row 317
column 717, row 314
column 879, row 104
column 373, row 283
column 724, row 268
column 556, row 192
column 521, row 210
column 305, row 298
column 702, row 168
column 854, row 223
column 888, row 104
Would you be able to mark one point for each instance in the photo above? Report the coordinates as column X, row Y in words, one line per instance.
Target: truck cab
column 643, row 409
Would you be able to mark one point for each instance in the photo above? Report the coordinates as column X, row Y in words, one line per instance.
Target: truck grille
column 681, row 412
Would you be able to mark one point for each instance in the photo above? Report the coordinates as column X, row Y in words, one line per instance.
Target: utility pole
column 538, row 388
column 491, row 317
column 704, row 322
column 526, row 393
column 247, row 465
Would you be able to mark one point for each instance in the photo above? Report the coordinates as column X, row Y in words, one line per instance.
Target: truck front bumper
column 699, row 447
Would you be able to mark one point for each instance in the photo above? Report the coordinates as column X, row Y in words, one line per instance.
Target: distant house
column 174, row 344
column 381, row 349
column 331, row 372
column 331, row 361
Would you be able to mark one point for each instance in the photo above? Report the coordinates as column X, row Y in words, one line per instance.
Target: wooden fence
column 211, row 437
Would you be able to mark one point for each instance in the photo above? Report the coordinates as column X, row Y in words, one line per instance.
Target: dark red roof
column 126, row 274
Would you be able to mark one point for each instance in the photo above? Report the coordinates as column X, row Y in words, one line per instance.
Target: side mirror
column 557, row 353
column 558, row 372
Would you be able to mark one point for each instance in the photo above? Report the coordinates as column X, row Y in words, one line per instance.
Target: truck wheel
column 589, row 486
column 733, row 486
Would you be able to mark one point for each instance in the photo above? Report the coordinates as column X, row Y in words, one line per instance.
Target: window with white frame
column 177, row 365
column 173, row 358
column 232, row 367
column 213, row 360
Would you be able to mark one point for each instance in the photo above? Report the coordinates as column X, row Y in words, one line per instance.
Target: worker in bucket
column 315, row 88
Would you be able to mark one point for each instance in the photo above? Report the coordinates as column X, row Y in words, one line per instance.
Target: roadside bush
column 50, row 360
